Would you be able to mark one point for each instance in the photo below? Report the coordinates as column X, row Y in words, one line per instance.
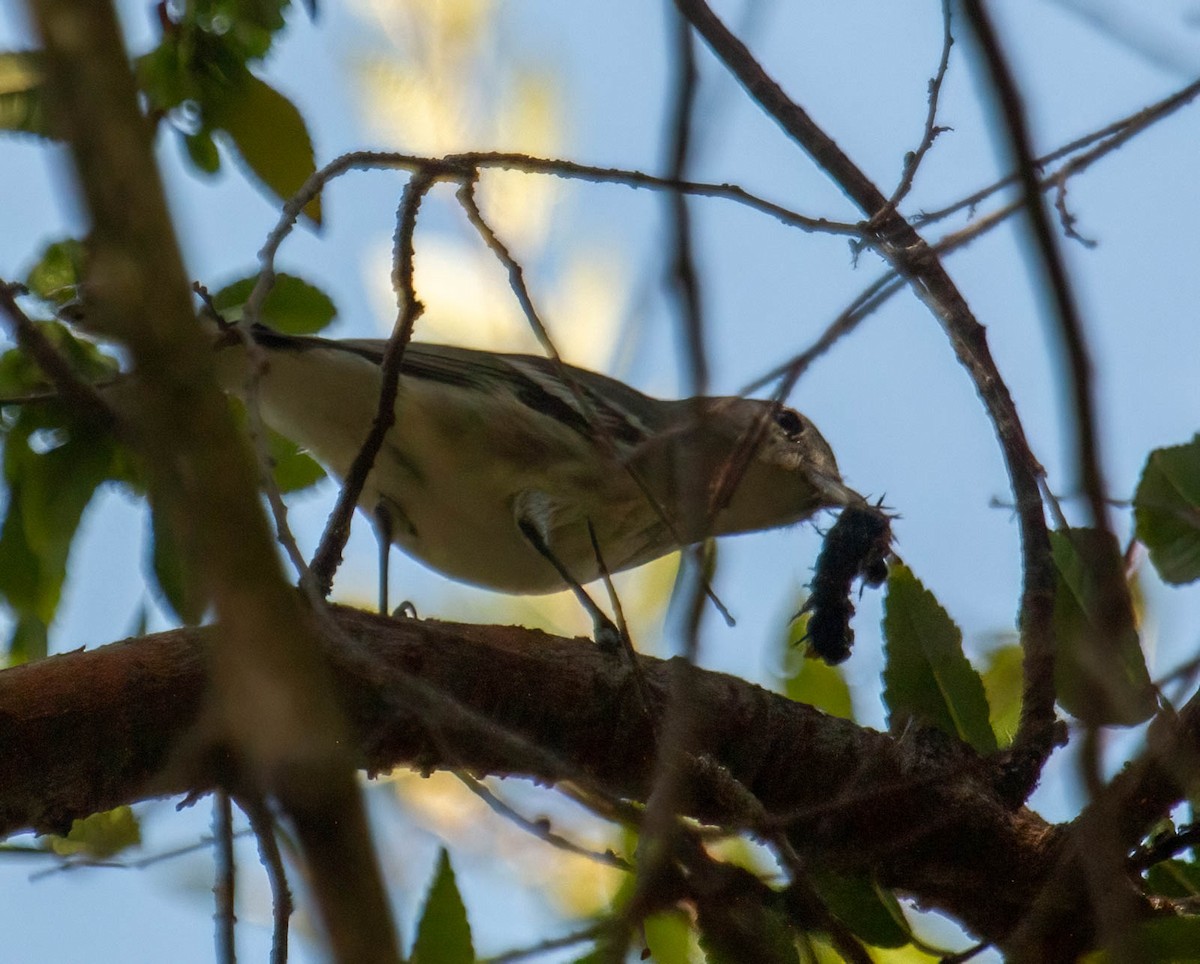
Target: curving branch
column 903, row 248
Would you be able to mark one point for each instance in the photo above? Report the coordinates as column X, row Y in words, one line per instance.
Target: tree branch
column 89, row 730
column 898, row 243
column 274, row 719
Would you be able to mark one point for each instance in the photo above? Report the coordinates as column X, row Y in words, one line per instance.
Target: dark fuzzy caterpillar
column 857, row 546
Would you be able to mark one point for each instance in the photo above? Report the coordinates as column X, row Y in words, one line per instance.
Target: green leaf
column 668, row 938
column 100, row 836
column 736, row 927
column 22, row 93
column 1003, row 683
column 1166, row 510
column 1100, row 673
column 872, row 913
column 270, row 135
column 294, row 470
column 29, row 640
column 443, row 933
column 202, row 150
column 1174, row 878
column 293, row 306
column 168, row 561
column 1169, row 940
column 814, row 682
column 927, row 678
column 52, row 466
column 58, row 272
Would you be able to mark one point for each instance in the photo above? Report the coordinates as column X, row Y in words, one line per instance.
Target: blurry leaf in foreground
column 1100, row 672
column 270, row 135
column 58, row 272
column 52, row 467
column 23, row 93
column 1169, row 940
column 1166, row 508
column 927, row 679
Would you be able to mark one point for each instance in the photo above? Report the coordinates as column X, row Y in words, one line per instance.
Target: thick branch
column 90, row 730
column 275, row 709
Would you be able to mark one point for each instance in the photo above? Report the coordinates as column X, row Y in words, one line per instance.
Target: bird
column 523, row 474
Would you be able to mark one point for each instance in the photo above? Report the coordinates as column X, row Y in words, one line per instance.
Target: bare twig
column 225, row 885
column 1112, row 137
column 913, row 160
column 263, row 826
column 540, row 828
column 409, row 308
column 1122, row 129
column 909, row 255
column 467, row 166
column 552, row 944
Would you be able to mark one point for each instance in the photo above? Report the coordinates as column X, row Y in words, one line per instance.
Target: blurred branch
column 89, row 730
column 274, row 722
column 684, row 278
column 1070, row 324
column 1096, row 840
column 898, row 243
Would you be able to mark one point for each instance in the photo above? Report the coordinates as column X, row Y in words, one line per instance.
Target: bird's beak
column 835, row 492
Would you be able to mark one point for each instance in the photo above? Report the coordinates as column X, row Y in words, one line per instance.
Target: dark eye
column 791, row 423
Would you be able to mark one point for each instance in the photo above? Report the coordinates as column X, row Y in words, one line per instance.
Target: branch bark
column 274, row 711
column 90, row 730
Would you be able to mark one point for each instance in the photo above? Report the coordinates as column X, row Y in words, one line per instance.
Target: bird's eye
column 791, row 423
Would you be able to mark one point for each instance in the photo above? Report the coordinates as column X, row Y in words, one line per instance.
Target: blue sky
column 898, row 410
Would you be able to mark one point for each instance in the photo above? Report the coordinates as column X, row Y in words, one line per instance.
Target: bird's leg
column 608, row 637
column 635, row 668
column 383, row 532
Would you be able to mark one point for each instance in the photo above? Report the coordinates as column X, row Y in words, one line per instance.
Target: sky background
column 590, row 81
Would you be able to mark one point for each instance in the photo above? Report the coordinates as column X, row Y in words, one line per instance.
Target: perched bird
column 522, row 475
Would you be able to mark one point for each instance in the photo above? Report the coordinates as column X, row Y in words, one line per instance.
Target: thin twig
column 1165, row 847
column 224, row 887
column 889, row 284
column 895, row 239
column 551, row 944
column 466, row 167
column 540, row 828
column 409, row 308
column 1132, row 124
column 913, row 160
column 263, row 825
